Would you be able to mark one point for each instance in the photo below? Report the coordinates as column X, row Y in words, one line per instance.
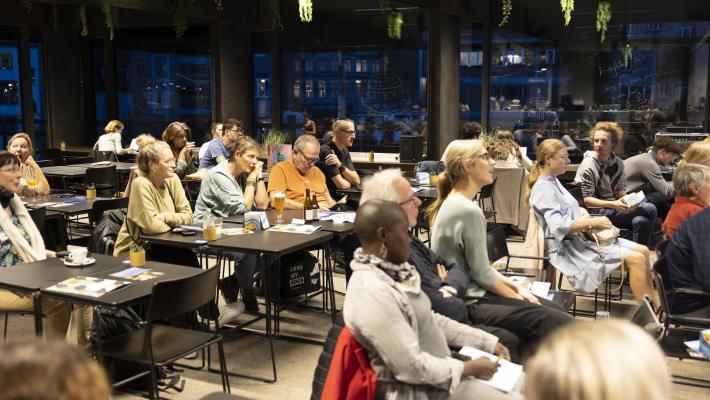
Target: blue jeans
column 640, row 220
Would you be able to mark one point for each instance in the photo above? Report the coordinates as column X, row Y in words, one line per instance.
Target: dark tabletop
column 176, row 239
column 43, row 274
column 60, row 170
column 275, row 243
column 120, row 166
column 74, row 208
column 288, row 215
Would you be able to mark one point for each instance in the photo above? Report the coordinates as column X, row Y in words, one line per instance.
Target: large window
column 38, row 111
column 650, row 74
column 10, row 104
column 358, row 73
column 261, row 67
column 161, row 80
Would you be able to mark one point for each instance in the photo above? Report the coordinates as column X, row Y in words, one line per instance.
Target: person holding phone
column 177, row 135
column 405, row 340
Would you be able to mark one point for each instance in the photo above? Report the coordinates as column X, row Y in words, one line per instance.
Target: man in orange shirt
column 296, row 174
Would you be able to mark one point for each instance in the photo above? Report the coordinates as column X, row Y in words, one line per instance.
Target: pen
column 500, row 357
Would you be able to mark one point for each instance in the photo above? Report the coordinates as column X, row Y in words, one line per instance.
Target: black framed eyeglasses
column 413, row 199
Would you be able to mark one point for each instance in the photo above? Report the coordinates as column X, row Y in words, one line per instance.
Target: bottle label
column 308, row 215
column 316, row 214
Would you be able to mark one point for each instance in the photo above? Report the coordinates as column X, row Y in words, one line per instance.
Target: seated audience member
column 177, row 136
column 444, row 282
column 111, row 139
column 506, row 152
column 32, row 369
column 568, row 140
column 697, row 153
column 158, row 203
column 561, row 220
column 215, row 133
column 458, row 234
column 335, row 161
column 21, row 242
column 603, row 181
column 222, row 195
column 611, row 360
column 692, row 187
column 688, row 256
column 309, row 126
column 33, row 180
column 141, row 141
column 297, row 174
column 643, row 172
column 219, row 149
column 404, row 339
column 467, row 130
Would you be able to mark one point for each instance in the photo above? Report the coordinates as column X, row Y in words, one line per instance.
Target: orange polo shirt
column 284, row 177
column 682, row 209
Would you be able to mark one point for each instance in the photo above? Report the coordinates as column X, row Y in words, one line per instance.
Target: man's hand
column 441, row 271
column 502, row 351
column 620, row 206
column 481, row 368
column 332, row 159
column 527, row 296
column 342, row 200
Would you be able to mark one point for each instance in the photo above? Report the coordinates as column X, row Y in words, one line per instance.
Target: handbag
column 602, row 237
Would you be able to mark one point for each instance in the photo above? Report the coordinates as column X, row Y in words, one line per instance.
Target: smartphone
column 186, row 232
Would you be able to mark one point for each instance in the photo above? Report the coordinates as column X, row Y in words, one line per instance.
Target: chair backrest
column 487, row 191
column 98, row 155
column 663, row 283
column 38, row 215
column 99, row 206
column 430, row 167
column 76, row 160
column 661, row 247
column 52, row 154
column 326, row 357
column 497, row 246
column 105, row 175
column 45, row 163
column 175, row 297
column 106, row 231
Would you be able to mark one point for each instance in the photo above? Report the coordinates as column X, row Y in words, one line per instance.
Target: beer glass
column 279, row 200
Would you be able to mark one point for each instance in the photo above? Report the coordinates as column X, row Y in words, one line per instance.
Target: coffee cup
column 77, row 256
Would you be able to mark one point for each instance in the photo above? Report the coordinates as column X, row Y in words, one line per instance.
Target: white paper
column 540, row 289
column 507, row 375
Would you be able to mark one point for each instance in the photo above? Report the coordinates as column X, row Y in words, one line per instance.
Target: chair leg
column 223, row 366
column 154, row 382
column 4, row 331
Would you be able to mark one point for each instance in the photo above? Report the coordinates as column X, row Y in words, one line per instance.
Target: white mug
column 78, row 255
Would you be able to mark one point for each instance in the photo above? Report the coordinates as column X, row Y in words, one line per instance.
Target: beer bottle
column 316, row 209
column 307, row 208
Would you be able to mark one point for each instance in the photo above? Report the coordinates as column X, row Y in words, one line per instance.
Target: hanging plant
column 394, row 24
column 628, row 54
column 506, row 9
column 603, row 18
column 567, row 8
column 305, row 10
column 384, row 6
column 219, row 4
column 109, row 17
column 275, row 14
column 28, row 5
column 82, row 18
column 179, row 11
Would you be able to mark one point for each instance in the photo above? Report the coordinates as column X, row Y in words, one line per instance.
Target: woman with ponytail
column 459, row 235
column 585, row 263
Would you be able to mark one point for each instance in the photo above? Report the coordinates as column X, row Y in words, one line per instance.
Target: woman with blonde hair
column 697, row 153
column 609, row 360
column 585, row 262
column 142, row 140
column 178, row 136
column 33, row 180
column 111, row 139
column 459, row 235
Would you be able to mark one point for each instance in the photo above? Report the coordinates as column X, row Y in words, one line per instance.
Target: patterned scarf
column 404, row 274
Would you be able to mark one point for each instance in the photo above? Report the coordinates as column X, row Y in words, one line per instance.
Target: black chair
column 76, row 160
column 38, row 215
column 45, row 163
column 487, row 193
column 159, row 345
column 97, row 156
column 430, row 167
column 661, row 248
column 103, row 177
column 49, row 154
column 498, row 248
column 99, row 206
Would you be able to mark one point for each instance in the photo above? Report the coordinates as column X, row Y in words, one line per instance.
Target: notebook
column 87, row 286
column 508, row 373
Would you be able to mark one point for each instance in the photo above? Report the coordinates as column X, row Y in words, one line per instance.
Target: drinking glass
column 32, row 182
column 279, row 202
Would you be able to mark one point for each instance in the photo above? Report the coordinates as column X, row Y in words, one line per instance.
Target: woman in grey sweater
column 391, row 318
column 459, row 235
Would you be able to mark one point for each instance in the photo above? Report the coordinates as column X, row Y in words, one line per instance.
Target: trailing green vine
column 179, row 10
column 567, row 8
column 395, row 20
column 82, row 18
column 603, row 18
column 507, row 8
column 219, row 4
column 628, row 54
column 28, row 5
column 109, row 17
column 275, row 14
column 305, row 10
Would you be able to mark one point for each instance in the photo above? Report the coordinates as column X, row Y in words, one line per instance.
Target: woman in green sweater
column 158, row 201
column 459, row 235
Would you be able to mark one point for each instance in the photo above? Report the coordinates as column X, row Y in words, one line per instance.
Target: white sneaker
column 230, row 312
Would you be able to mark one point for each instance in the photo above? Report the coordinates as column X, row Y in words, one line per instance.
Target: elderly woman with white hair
column 692, row 185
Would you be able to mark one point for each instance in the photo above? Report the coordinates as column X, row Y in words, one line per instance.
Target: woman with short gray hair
column 692, row 186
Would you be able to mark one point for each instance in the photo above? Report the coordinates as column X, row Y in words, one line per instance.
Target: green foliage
column 394, row 24
column 219, row 4
column 109, row 16
column 275, row 14
column 603, row 18
column 28, row 5
column 275, row 136
column 628, row 54
column 567, row 8
column 305, row 10
column 506, row 10
column 82, row 18
column 179, row 10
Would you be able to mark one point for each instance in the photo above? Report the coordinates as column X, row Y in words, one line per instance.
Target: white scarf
column 27, row 252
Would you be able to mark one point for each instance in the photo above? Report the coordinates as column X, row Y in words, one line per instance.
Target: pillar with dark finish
column 234, row 81
column 64, row 89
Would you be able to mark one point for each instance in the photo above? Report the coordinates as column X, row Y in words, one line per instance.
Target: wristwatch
column 260, row 179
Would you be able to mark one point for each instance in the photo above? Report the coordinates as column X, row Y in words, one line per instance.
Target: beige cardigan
column 152, row 211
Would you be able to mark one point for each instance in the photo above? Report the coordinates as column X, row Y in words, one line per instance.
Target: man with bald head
column 335, row 161
column 445, row 282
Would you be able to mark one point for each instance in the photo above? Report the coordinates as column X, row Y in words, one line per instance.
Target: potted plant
column 275, row 145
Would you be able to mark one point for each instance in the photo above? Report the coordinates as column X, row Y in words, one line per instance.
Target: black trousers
column 506, row 338
column 529, row 322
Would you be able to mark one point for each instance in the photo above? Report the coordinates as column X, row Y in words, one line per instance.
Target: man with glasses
column 293, row 176
column 219, row 149
column 643, row 172
column 335, row 161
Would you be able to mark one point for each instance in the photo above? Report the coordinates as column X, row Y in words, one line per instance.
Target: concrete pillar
column 443, row 81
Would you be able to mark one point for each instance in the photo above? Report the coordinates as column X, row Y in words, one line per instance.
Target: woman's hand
column 481, row 368
column 502, row 351
column 601, row 223
column 186, row 152
column 257, row 172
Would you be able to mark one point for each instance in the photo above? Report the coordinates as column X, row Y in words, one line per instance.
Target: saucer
column 87, row 261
